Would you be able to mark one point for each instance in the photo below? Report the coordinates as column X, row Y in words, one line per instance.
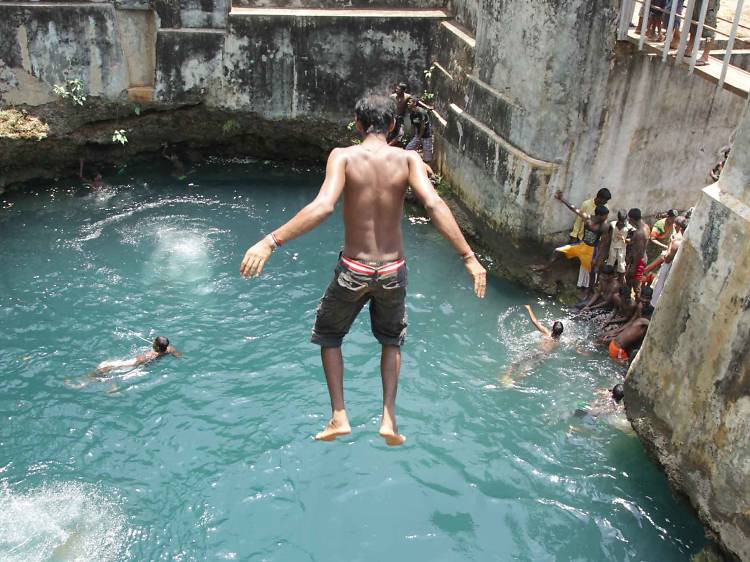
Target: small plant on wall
column 352, row 127
column 74, row 90
column 119, row 136
column 428, row 96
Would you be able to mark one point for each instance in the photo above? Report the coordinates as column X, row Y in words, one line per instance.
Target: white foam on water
column 180, row 255
column 70, row 522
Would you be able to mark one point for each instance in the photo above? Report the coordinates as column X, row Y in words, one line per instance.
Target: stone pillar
column 688, row 392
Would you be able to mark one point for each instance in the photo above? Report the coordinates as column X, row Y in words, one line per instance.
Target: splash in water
column 68, row 521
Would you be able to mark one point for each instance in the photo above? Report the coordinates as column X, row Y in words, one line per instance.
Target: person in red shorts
column 631, row 337
column 635, row 260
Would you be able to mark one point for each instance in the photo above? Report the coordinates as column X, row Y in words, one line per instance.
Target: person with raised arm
column 373, row 178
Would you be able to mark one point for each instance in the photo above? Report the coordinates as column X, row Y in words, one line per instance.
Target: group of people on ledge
column 624, row 264
column 419, row 116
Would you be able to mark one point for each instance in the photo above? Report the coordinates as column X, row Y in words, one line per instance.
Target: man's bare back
column 377, row 177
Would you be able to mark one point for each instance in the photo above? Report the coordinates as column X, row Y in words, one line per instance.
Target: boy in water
column 160, row 348
column 373, row 178
column 550, row 340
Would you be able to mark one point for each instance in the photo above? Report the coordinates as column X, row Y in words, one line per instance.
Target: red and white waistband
column 363, row 269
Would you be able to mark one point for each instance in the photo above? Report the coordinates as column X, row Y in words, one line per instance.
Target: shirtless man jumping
column 373, row 178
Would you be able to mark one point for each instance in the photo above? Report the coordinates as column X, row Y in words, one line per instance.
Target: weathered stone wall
column 688, row 392
column 319, row 66
column 44, row 45
column 553, row 102
column 653, row 139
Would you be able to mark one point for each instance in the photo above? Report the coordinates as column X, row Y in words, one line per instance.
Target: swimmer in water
column 606, row 402
column 94, row 183
column 550, row 340
column 160, row 348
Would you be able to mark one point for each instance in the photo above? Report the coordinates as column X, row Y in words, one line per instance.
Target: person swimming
column 160, row 348
column 550, row 340
column 606, row 402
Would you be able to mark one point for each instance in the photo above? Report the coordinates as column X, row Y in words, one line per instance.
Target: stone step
column 380, row 13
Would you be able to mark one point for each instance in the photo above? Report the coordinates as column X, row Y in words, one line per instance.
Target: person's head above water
column 557, row 329
column 161, row 344
column 618, row 393
column 375, row 114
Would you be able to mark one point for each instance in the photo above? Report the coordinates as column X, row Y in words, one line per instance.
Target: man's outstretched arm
column 444, row 221
column 538, row 325
column 304, row 221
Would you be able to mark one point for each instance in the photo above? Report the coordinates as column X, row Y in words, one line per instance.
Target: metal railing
column 675, row 20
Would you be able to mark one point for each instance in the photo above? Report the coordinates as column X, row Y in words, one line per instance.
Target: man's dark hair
column 647, row 291
column 672, row 213
column 601, row 211
column 604, row 193
column 608, row 269
column 681, row 222
column 625, row 291
column 403, row 86
column 618, row 392
column 376, row 113
column 635, row 214
column 622, row 215
column 161, row 344
column 647, row 311
column 557, row 329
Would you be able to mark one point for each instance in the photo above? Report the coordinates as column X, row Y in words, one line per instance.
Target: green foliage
column 73, row 90
column 352, row 126
column 229, row 126
column 119, row 136
column 428, row 96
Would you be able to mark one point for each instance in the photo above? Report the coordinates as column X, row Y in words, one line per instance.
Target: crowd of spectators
column 419, row 118
column 624, row 264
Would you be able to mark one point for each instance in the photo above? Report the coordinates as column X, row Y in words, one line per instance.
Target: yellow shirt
column 587, row 207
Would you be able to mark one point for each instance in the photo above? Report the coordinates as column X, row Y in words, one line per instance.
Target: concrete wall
column 292, row 66
column 45, row 45
column 654, row 138
column 552, row 101
column 467, row 12
column 688, row 392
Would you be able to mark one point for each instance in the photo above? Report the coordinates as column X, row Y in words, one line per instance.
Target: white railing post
column 644, row 23
column 686, row 22
column 697, row 38
column 626, row 16
column 730, row 44
column 670, row 30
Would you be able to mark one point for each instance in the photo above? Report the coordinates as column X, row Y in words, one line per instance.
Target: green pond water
column 211, row 457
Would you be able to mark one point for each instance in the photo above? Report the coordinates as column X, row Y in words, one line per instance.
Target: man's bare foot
column 392, row 437
column 334, row 428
